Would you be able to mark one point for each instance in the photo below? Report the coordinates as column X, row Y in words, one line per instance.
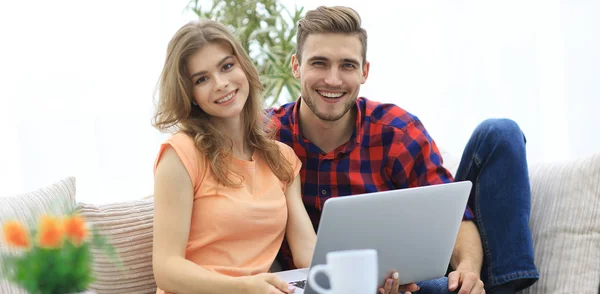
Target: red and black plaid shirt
column 389, row 149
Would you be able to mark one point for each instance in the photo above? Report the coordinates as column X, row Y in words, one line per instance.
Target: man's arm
column 416, row 159
column 467, row 258
column 419, row 163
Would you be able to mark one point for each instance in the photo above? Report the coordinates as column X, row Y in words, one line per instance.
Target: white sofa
column 565, row 223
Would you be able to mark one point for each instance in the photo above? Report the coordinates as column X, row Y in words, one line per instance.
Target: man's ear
column 365, row 73
column 295, row 66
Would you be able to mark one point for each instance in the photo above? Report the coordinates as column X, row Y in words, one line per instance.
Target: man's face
column 330, row 74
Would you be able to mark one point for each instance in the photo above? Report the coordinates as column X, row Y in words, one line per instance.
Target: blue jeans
column 495, row 162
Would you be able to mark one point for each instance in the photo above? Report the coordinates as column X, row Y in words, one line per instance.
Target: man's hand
column 392, row 286
column 466, row 260
column 468, row 282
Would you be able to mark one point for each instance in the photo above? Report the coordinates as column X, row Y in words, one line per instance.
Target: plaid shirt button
column 324, row 192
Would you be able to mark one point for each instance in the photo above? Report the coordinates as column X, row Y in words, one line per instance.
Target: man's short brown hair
column 337, row 19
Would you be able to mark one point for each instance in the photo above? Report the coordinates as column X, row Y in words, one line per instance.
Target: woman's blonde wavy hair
column 175, row 111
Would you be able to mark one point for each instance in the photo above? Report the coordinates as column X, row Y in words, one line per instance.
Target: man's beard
column 325, row 116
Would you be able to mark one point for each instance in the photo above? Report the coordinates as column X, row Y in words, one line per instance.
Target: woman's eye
column 227, row 66
column 201, row 80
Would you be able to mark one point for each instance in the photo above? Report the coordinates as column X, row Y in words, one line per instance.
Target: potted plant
column 53, row 258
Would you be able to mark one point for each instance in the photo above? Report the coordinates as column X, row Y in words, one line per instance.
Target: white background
column 77, row 80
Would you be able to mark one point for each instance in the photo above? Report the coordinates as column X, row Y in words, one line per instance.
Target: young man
column 350, row 145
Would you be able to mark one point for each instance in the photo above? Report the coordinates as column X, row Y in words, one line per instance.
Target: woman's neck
column 235, row 131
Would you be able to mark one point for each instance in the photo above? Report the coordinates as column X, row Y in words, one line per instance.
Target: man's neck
column 327, row 135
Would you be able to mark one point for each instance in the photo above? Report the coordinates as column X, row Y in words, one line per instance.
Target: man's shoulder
column 282, row 111
column 387, row 114
column 281, row 117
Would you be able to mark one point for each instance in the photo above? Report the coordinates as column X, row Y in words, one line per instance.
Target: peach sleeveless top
column 234, row 231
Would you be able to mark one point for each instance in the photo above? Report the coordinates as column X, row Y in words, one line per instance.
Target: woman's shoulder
column 185, row 143
column 285, row 149
column 184, row 146
column 182, row 138
column 282, row 146
column 289, row 153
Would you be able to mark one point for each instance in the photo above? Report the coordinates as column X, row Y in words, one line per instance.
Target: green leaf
column 100, row 242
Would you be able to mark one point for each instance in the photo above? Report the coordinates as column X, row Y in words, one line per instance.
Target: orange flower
column 50, row 232
column 15, row 234
column 75, row 229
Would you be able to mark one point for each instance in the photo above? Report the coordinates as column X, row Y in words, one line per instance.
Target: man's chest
column 326, row 176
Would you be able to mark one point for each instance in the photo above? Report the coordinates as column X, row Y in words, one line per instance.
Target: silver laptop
column 413, row 231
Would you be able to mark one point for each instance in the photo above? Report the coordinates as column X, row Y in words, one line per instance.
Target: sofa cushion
column 129, row 228
column 565, row 225
column 57, row 198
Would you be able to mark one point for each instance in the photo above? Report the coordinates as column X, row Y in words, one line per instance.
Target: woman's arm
column 174, row 194
column 173, row 199
column 300, row 232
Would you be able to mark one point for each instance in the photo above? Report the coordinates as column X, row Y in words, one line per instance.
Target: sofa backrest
column 57, row 199
column 128, row 226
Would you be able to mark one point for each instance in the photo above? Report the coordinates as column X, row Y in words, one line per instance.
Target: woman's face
column 219, row 84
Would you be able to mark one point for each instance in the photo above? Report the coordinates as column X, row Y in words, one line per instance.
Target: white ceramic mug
column 349, row 271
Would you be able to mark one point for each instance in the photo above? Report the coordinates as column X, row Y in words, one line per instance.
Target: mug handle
column 312, row 282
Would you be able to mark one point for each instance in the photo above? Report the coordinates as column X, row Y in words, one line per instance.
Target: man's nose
column 333, row 77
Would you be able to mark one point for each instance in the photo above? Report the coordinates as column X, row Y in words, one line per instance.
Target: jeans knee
column 436, row 286
column 501, row 131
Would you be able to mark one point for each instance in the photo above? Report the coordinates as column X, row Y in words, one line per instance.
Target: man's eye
column 349, row 66
column 318, row 63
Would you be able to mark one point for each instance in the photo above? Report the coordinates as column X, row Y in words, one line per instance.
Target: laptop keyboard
column 299, row 284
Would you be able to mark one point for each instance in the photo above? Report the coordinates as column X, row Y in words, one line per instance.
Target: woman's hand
column 392, row 286
column 266, row 283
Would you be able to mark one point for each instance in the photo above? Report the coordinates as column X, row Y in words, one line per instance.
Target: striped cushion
column 565, row 224
column 58, row 199
column 128, row 226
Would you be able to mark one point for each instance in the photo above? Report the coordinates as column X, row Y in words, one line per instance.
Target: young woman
column 225, row 193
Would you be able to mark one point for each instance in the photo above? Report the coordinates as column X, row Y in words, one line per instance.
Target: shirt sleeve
column 418, row 161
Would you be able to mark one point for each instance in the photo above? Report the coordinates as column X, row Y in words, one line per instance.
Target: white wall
column 456, row 63
column 581, row 26
column 77, row 80
column 76, row 93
